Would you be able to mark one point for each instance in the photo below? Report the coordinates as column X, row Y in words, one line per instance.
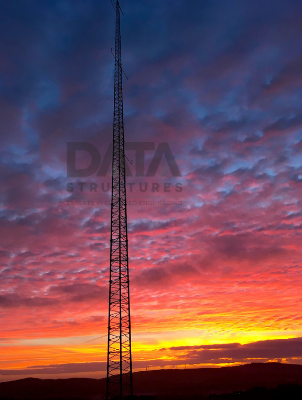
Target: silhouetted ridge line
column 163, row 384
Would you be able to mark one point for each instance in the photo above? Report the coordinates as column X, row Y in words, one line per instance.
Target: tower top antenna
column 116, row 5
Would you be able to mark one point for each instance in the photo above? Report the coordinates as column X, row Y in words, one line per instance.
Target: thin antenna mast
column 119, row 359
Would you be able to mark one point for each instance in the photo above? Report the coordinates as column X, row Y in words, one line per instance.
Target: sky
column 215, row 88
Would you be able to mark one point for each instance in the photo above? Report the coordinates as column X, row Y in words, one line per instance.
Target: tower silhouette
column 119, row 361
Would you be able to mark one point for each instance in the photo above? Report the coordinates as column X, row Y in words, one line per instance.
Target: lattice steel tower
column 119, row 361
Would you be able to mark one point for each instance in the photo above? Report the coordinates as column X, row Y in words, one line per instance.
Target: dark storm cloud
column 264, row 350
column 76, row 367
column 59, row 369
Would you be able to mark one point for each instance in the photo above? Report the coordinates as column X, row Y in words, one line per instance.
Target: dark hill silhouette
column 282, row 392
column 167, row 384
column 40, row 389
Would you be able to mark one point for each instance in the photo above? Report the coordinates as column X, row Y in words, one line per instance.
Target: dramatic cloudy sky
column 215, row 258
